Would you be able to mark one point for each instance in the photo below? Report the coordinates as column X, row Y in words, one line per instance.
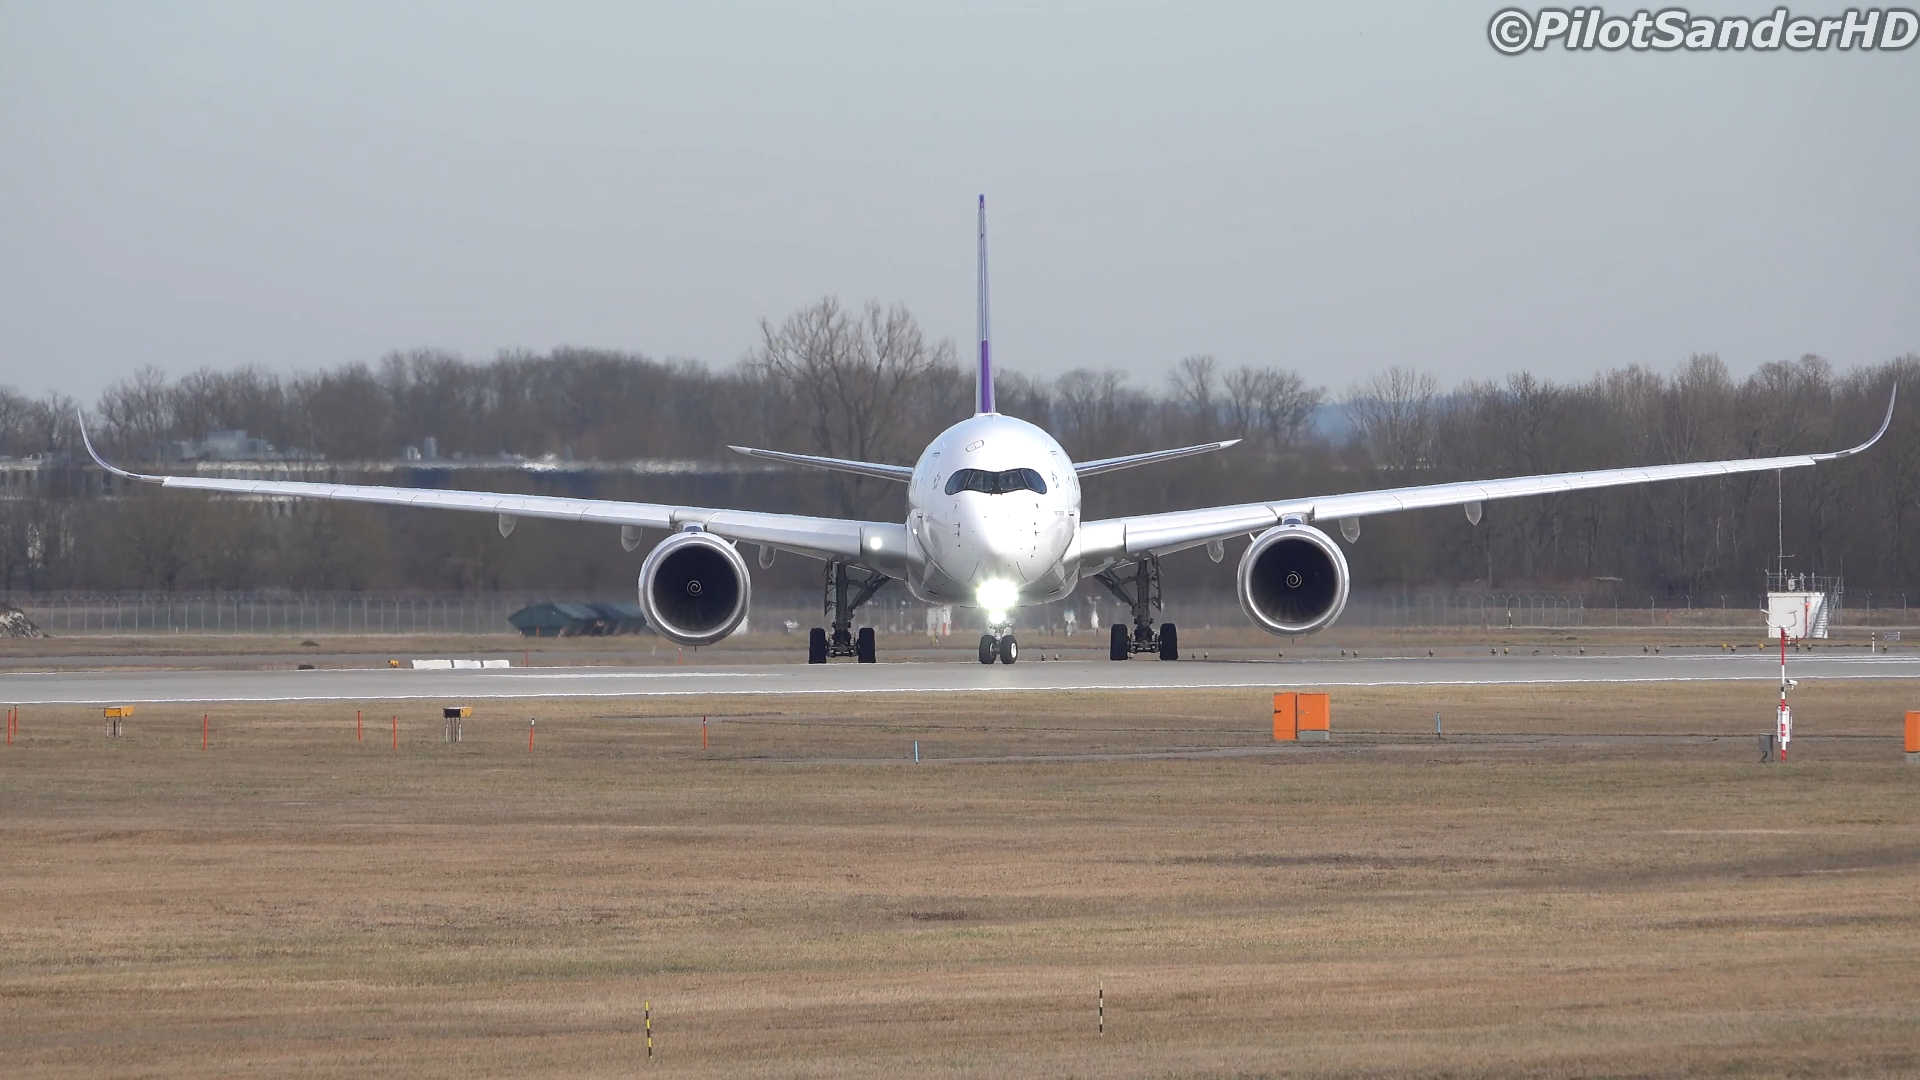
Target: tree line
column 869, row 383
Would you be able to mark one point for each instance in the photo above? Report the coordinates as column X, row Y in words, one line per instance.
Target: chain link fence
column 891, row 612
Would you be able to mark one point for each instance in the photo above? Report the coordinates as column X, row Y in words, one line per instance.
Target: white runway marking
column 612, row 673
column 381, row 684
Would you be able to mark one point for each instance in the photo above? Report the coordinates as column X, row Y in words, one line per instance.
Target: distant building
column 231, row 445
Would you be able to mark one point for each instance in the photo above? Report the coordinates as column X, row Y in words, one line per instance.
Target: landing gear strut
column 1140, row 591
column 998, row 644
column 844, row 595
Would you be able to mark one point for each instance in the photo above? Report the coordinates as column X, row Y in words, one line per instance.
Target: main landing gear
column 1140, row 591
column 998, row 644
column 844, row 595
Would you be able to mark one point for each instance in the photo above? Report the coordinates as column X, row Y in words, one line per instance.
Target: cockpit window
column 995, row 483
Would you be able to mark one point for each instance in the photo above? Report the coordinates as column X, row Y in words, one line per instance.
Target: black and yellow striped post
column 646, row 1010
column 1103, row 1007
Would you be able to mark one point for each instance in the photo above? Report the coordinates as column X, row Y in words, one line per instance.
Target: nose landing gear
column 995, row 645
column 1140, row 591
column 844, row 595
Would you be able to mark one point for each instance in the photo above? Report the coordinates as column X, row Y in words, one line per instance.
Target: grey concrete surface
column 384, row 684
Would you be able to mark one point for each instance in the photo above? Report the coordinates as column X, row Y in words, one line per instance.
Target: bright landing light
column 997, row 595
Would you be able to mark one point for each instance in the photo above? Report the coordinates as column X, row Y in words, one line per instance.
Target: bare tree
column 1096, row 416
column 137, row 411
column 159, row 535
column 867, row 384
column 1193, row 381
column 1270, row 407
column 1393, row 413
column 853, row 378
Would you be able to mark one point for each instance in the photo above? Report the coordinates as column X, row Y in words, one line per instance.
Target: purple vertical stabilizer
column 983, row 385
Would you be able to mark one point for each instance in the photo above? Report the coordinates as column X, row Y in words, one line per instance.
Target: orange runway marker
column 396, row 733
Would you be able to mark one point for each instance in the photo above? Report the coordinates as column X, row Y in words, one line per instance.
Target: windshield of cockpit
column 996, row 483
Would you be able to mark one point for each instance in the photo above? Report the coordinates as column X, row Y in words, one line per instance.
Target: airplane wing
column 820, row 537
column 901, row 473
column 1114, row 539
column 1128, row 461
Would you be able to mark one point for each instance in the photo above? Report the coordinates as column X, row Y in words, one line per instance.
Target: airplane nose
column 1004, row 538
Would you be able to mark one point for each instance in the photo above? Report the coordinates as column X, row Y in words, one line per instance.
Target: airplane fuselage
column 994, row 508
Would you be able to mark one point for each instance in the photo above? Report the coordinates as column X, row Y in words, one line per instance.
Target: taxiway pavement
column 387, row 684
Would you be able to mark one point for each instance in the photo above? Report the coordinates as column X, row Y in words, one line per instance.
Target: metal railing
column 324, row 613
column 891, row 612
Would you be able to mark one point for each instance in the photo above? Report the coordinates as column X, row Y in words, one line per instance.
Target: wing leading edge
column 1128, row 461
column 902, row 473
column 866, row 541
column 1158, row 534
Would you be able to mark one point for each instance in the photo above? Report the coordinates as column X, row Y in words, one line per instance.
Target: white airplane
column 993, row 522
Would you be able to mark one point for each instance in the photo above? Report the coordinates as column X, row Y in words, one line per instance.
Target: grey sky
column 1335, row 188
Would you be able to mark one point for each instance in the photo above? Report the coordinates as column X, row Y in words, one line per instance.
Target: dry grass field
column 1577, row 881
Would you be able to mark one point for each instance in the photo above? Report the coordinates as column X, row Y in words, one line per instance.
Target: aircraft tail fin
column 983, row 377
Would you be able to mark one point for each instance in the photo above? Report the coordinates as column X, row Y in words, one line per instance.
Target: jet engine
column 694, row 588
column 1292, row 580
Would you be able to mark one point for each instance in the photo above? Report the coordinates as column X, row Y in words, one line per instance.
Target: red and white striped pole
column 1784, row 718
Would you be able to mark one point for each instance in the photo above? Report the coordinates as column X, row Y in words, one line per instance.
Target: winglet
column 100, row 461
column 983, row 377
column 1884, row 424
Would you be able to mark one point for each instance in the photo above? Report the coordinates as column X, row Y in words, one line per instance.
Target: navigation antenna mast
column 1780, row 522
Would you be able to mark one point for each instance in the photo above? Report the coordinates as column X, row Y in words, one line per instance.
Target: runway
column 386, row 684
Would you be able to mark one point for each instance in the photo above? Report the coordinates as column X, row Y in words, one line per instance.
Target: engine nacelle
column 1292, row 580
column 694, row 588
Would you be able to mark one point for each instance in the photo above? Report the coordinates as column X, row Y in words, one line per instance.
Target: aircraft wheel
column 816, row 646
column 1117, row 648
column 864, row 645
column 1169, row 642
column 987, row 648
column 1009, row 649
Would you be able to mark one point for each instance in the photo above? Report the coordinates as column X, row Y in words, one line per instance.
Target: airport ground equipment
column 1803, row 604
column 1299, row 717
